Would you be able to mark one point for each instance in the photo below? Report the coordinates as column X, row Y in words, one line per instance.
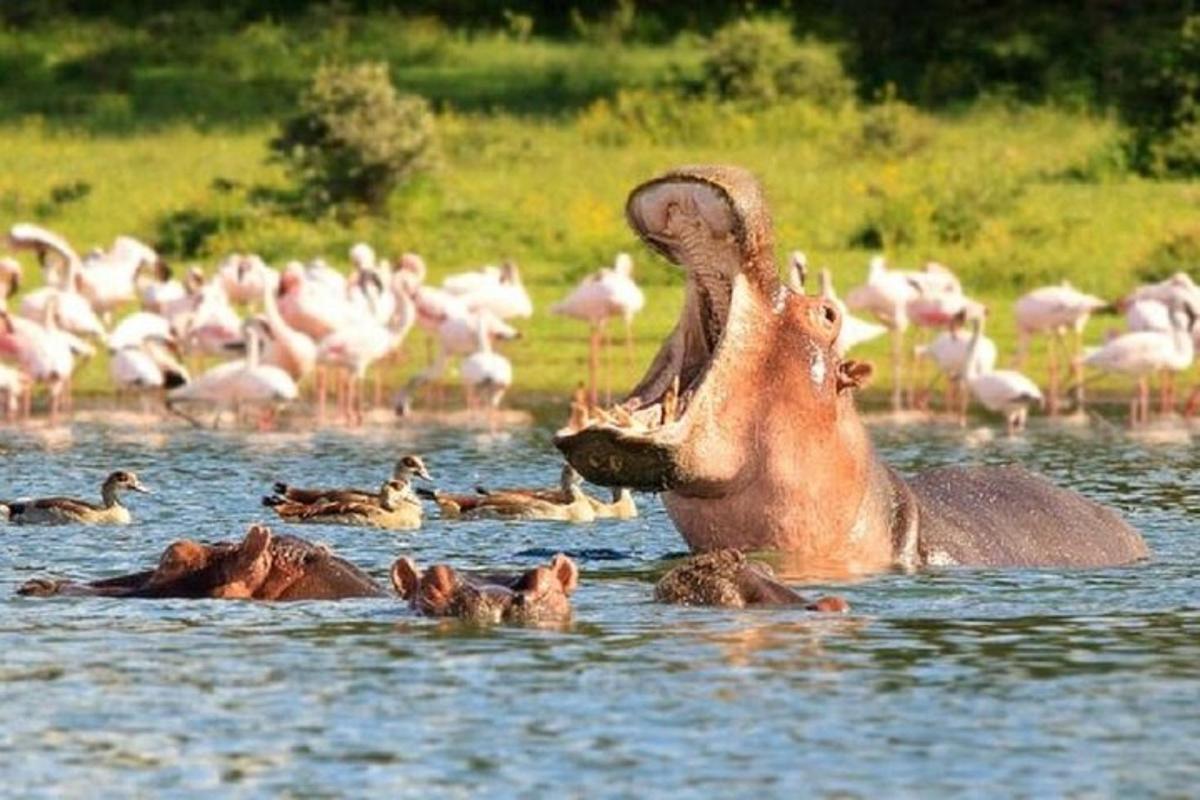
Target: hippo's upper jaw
column 713, row 222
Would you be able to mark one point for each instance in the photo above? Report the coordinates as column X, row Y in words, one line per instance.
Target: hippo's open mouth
column 695, row 220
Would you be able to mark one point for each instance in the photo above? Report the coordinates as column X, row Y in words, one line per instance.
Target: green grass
column 1009, row 198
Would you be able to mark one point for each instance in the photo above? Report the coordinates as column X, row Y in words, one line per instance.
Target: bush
column 892, row 127
column 758, row 61
column 355, row 139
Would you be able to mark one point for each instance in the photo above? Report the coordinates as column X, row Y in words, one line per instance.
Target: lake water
column 1008, row 683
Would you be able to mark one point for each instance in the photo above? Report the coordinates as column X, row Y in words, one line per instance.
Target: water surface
column 983, row 682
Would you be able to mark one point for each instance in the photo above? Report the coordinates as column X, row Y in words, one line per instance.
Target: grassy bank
column 1010, row 197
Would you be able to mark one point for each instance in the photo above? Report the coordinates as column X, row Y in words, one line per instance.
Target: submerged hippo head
column 728, row 578
column 747, row 404
column 262, row 566
column 538, row 595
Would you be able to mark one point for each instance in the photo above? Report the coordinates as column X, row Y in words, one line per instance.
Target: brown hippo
column 262, row 566
column 727, row 578
column 537, row 596
column 746, row 422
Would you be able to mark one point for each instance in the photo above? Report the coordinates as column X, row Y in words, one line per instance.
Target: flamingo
column 1053, row 310
column 1004, row 391
column 356, row 347
column 949, row 352
column 135, row 328
column 54, row 253
column 43, row 351
column 599, row 296
column 152, row 363
column 233, row 384
column 73, row 310
column 310, row 306
column 486, row 372
column 507, row 298
column 289, row 349
column 457, row 335
column 886, row 294
column 1147, row 315
column 245, row 277
column 1173, row 291
column 855, row 330
column 1143, row 353
column 106, row 278
column 213, row 325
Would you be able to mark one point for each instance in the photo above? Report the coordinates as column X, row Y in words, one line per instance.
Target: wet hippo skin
column 746, row 423
column 262, row 566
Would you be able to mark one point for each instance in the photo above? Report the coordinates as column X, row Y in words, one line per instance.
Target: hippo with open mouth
column 263, row 566
column 746, row 423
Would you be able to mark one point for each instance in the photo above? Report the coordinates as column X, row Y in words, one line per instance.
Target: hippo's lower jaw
column 612, row 456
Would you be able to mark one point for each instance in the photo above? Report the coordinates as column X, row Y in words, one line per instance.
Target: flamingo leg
column 606, row 354
column 1022, row 349
column 321, row 390
column 1052, row 347
column 897, row 368
column 593, row 363
column 378, row 387
column 1077, row 370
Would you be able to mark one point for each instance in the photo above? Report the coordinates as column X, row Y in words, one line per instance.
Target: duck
column 66, row 510
column 406, row 469
column 392, row 508
column 567, row 503
column 622, row 505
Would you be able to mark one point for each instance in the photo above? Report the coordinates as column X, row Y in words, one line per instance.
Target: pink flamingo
column 601, row 295
column 1051, row 311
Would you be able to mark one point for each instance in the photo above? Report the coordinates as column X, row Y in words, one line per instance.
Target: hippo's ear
column 257, row 540
column 565, row 571
column 406, row 578
column 853, row 374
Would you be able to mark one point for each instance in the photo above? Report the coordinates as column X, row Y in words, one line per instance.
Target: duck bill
column 712, row 221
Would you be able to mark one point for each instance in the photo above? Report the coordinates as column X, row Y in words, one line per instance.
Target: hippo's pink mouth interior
column 694, row 224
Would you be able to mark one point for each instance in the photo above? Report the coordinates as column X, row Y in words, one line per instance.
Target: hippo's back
column 1010, row 517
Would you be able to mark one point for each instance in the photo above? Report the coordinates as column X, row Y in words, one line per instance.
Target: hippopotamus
column 727, row 578
column 746, row 422
column 538, row 596
column 263, row 566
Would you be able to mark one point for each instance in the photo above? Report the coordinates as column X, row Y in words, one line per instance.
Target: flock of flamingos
column 275, row 329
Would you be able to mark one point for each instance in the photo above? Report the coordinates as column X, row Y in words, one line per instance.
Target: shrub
column 355, row 139
column 758, row 61
column 892, row 127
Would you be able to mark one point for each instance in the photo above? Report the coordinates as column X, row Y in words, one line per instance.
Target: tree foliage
column 355, row 138
column 758, row 60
